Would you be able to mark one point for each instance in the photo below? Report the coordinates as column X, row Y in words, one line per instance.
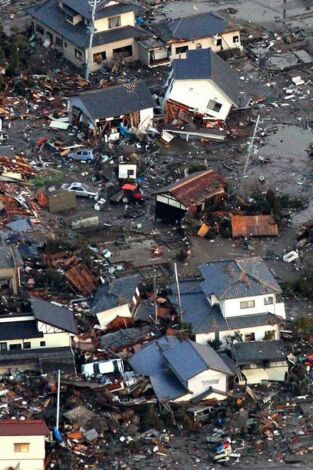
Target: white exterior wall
column 196, row 94
column 32, row 460
column 206, row 43
column 205, row 380
column 274, row 373
column 259, row 332
column 127, row 19
column 53, row 340
column 104, row 318
column 146, row 118
column 231, row 307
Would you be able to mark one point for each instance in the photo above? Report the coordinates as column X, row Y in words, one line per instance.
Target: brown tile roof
column 27, row 427
column 196, row 188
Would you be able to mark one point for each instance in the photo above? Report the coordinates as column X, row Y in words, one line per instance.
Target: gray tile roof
column 83, row 8
column 204, row 64
column 118, row 292
column 6, row 259
column 124, row 338
column 54, row 315
column 230, row 279
column 115, row 101
column 50, row 15
column 256, row 352
column 190, row 28
column 19, row 330
column 170, row 363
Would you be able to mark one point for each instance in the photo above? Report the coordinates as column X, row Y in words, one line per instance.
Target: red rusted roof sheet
column 253, row 226
column 196, row 188
column 81, row 279
column 26, row 427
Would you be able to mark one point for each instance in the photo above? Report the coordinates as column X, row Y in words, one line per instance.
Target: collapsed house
column 192, row 195
column 65, row 26
column 114, row 303
column 266, row 360
column 202, row 87
column 40, row 339
column 183, row 370
column 174, row 37
column 113, row 111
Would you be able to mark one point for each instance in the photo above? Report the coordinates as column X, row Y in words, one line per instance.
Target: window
column 58, row 41
column 69, row 18
column 114, row 22
column 40, row 29
column 269, row 335
column 15, row 347
column 130, row 173
column 181, row 50
column 250, row 337
column 27, row 345
column 78, row 54
column 217, row 41
column 126, row 51
column 198, row 45
column 42, row 343
column 65, row 44
column 21, row 447
column 210, row 382
column 235, row 39
column 100, row 57
column 3, row 347
column 268, row 301
column 247, row 304
column 214, row 106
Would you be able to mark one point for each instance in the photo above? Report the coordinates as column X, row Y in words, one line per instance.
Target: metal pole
column 251, row 145
column 58, row 400
column 155, row 300
column 93, row 4
column 180, row 310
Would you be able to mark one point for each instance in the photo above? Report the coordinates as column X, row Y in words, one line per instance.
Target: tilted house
column 266, row 360
column 234, row 299
column 103, row 111
column 38, row 340
column 199, row 31
column 65, row 26
column 203, row 85
column 182, row 370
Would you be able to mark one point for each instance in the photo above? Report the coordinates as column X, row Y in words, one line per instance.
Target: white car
column 79, row 189
column 94, row 369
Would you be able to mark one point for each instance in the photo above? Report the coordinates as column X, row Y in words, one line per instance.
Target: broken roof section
column 118, row 292
column 81, row 279
column 253, row 226
column 196, row 188
column 54, row 315
column 204, row 64
column 189, row 28
column 230, row 279
column 114, row 101
column 170, row 363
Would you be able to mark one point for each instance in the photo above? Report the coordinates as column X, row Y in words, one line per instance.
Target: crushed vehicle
column 94, row 369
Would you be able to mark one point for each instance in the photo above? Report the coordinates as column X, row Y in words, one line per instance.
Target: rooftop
column 195, row 188
column 189, row 28
column 253, row 226
column 27, row 427
column 22, row 330
column 54, row 315
column 230, row 279
column 116, row 100
column 104, row 8
column 204, row 64
column 256, row 352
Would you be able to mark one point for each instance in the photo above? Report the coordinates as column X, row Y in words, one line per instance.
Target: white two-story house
column 39, row 339
column 234, row 300
column 65, row 26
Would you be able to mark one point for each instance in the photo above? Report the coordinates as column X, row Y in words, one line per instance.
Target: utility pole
column 155, row 298
column 250, row 149
column 58, row 400
column 180, row 310
column 93, row 4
